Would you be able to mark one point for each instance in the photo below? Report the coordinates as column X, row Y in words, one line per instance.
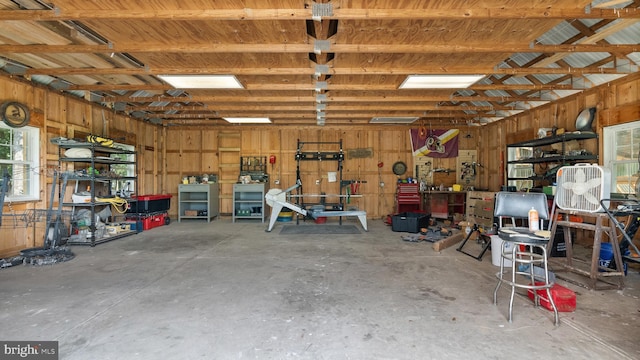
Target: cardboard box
column 409, row 222
column 457, row 217
column 191, row 213
column 132, row 225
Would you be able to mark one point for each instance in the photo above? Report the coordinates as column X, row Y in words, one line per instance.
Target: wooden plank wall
column 617, row 102
column 195, row 151
column 59, row 115
column 166, row 154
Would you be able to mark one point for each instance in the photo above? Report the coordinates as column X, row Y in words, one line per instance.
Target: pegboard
column 466, row 159
column 423, row 169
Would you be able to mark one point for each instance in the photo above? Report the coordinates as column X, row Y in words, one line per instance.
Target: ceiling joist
column 309, row 48
column 333, row 71
column 343, row 59
column 244, row 14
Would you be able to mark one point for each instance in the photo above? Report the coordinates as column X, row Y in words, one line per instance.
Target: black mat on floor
column 319, row 229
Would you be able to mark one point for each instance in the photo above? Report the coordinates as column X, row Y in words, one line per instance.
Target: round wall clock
column 399, row 168
column 14, row 114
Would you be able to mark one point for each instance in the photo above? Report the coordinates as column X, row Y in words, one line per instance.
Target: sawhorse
column 485, row 247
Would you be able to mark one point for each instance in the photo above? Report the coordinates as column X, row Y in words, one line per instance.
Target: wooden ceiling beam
column 332, row 71
column 370, row 115
column 329, row 107
column 114, row 87
column 344, row 13
column 304, row 124
column 214, row 109
column 204, row 99
column 593, row 39
column 309, row 48
column 312, row 116
column 371, row 87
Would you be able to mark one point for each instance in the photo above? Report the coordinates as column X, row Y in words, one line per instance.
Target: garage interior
column 153, row 203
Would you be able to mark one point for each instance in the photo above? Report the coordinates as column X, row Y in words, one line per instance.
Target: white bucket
column 496, row 249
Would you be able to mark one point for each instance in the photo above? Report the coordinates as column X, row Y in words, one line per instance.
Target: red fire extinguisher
column 272, row 161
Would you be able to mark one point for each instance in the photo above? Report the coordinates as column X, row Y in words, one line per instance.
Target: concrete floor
column 196, row 290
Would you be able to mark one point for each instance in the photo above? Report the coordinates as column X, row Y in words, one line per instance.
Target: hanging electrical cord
column 119, row 204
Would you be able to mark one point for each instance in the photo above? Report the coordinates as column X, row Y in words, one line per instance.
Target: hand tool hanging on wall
column 355, row 187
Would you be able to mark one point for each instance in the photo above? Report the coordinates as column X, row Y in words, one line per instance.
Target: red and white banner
column 435, row 143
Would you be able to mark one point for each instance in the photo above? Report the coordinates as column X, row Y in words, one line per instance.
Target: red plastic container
column 145, row 204
column 320, row 220
column 565, row 299
column 150, row 221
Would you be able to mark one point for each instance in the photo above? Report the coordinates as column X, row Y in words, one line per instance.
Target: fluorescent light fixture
column 202, row 81
column 248, row 120
column 393, row 120
column 439, row 81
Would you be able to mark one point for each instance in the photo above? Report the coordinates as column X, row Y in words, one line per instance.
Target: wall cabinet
column 248, row 201
column 534, row 163
column 198, row 201
column 97, row 173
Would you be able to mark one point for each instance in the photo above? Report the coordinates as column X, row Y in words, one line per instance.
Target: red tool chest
column 407, row 197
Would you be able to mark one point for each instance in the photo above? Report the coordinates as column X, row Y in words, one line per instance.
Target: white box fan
column 582, row 186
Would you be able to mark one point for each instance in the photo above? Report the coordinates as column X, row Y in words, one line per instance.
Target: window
column 19, row 162
column 519, row 174
column 126, row 171
column 621, row 147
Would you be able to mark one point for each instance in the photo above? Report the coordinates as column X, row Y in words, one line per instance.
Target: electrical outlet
column 317, row 181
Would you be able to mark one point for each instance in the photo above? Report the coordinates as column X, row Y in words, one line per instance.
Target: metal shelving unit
column 198, row 201
column 523, row 156
column 248, row 201
column 90, row 172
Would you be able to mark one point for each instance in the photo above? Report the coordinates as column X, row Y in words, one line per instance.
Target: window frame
column 32, row 161
column 130, row 169
column 618, row 166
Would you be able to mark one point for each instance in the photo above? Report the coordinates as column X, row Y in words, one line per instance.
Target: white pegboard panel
column 466, row 157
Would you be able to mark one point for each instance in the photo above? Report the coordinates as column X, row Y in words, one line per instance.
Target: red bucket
column 320, row 220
